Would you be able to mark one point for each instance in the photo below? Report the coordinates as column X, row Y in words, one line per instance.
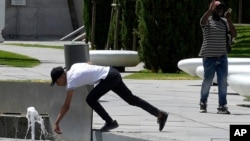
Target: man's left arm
column 232, row 29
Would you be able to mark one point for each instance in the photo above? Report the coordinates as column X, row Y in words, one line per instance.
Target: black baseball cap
column 55, row 74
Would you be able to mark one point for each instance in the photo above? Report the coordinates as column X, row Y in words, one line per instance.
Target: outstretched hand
column 57, row 129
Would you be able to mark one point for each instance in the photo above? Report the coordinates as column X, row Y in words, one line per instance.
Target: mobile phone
column 229, row 10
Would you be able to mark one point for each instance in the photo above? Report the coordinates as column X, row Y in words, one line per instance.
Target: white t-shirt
column 81, row 74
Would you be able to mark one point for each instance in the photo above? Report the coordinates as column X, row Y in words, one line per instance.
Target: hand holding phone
column 229, row 10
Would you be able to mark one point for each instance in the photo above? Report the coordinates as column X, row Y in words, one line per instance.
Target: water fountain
column 33, row 117
column 16, row 126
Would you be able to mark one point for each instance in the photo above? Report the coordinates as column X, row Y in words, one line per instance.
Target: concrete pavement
column 178, row 97
column 49, row 58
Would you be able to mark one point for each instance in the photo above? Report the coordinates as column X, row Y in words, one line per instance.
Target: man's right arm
column 63, row 111
column 207, row 14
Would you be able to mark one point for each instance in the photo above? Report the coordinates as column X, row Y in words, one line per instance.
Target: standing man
column 214, row 53
column 106, row 79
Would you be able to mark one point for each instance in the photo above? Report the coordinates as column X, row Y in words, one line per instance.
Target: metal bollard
column 75, row 53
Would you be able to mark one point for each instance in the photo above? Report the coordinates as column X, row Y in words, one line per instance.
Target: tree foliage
column 129, row 23
column 102, row 18
column 87, row 13
column 168, row 30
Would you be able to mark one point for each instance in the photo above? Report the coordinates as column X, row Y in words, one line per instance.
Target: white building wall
column 38, row 19
column 79, row 11
column 2, row 18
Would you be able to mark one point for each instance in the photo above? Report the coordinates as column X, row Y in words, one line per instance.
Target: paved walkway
column 178, row 97
column 49, row 58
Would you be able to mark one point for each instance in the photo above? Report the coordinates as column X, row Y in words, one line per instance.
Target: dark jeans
column 114, row 82
column 212, row 65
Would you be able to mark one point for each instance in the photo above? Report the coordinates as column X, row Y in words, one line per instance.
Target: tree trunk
column 93, row 24
column 240, row 12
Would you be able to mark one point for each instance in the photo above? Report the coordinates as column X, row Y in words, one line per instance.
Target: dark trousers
column 114, row 82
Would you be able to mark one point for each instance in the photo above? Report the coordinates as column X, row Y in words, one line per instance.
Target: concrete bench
column 232, row 69
column 240, row 83
column 116, row 58
column 190, row 65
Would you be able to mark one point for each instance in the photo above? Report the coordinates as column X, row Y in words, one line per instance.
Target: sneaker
column 203, row 107
column 109, row 126
column 162, row 120
column 223, row 110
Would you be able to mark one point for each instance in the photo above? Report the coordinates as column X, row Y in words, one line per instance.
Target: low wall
column 16, row 97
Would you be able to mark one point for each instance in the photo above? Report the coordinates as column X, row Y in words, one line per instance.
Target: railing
column 73, row 33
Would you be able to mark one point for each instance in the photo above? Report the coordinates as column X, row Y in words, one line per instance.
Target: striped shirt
column 214, row 38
